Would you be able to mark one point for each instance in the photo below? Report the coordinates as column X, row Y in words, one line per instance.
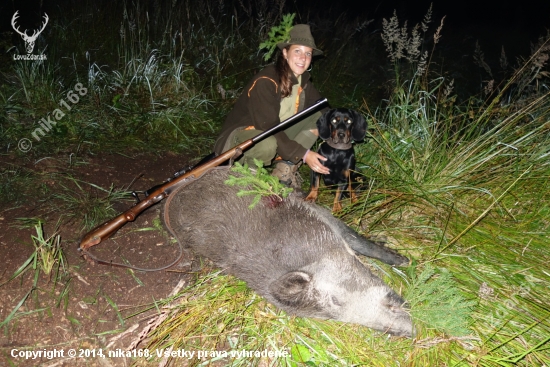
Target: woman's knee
column 264, row 151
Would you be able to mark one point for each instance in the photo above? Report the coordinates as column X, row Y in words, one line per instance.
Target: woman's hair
column 285, row 74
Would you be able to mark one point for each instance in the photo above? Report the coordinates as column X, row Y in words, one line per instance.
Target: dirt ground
column 94, row 307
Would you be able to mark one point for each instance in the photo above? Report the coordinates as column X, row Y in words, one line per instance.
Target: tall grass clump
column 156, row 76
column 464, row 187
column 48, row 258
column 84, row 203
column 164, row 74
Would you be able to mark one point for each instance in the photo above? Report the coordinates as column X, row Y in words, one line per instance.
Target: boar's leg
column 376, row 250
column 356, row 242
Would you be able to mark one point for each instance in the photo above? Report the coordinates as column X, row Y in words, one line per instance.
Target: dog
column 338, row 128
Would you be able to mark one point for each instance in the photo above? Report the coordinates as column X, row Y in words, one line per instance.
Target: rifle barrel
column 289, row 121
column 107, row 229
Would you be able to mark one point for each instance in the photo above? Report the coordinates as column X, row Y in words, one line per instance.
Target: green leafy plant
column 278, row 34
column 48, row 250
column 437, row 302
column 261, row 183
column 300, row 353
column 46, row 256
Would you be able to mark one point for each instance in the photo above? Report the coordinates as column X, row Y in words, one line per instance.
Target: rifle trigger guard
column 136, row 196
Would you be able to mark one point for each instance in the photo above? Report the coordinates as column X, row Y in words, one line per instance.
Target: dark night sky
column 523, row 13
column 494, row 23
column 512, row 24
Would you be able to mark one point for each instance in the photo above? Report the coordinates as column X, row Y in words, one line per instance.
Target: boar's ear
column 291, row 288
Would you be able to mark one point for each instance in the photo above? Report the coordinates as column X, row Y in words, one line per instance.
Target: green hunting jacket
column 259, row 106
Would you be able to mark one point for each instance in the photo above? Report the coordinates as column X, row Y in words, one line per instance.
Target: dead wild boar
column 296, row 255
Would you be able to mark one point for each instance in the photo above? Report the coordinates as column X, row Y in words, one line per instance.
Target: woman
column 274, row 94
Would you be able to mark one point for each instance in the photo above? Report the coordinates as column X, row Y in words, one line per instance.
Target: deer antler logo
column 29, row 40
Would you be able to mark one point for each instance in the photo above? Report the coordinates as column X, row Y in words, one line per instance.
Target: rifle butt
column 102, row 231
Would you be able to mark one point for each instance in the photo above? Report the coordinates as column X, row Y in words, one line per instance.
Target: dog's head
column 342, row 125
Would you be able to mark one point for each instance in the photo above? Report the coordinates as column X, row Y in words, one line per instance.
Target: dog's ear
column 359, row 128
column 323, row 125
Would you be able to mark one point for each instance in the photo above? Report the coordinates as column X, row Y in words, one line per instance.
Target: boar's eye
column 335, row 301
column 393, row 302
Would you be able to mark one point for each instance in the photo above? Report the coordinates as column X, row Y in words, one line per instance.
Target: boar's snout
column 400, row 319
column 379, row 308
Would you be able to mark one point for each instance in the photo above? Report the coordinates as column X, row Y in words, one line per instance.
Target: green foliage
column 48, row 249
column 47, row 256
column 278, row 34
column 300, row 353
column 11, row 183
column 436, row 301
column 85, row 202
column 260, row 182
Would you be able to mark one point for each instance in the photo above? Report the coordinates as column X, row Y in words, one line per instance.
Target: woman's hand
column 312, row 159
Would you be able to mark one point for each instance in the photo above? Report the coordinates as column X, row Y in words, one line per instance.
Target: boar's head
column 345, row 291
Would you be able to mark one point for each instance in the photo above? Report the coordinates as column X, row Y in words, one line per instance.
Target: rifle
column 159, row 192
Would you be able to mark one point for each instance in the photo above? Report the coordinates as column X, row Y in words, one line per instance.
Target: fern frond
column 436, row 301
column 260, row 183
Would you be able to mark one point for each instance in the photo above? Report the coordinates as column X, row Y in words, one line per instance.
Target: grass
column 86, row 203
column 63, row 198
column 47, row 256
column 452, row 186
column 143, row 90
column 457, row 179
column 13, row 180
column 221, row 313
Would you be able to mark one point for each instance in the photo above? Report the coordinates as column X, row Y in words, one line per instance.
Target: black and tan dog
column 338, row 128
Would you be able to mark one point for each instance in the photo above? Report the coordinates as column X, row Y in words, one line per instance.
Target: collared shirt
column 290, row 104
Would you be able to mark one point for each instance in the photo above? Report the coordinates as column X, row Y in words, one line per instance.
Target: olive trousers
column 266, row 150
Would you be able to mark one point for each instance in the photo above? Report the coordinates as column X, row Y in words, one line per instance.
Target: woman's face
column 298, row 58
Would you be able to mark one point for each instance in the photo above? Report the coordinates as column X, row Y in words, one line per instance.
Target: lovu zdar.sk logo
column 29, row 40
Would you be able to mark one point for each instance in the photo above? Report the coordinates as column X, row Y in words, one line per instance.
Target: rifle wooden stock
column 107, row 229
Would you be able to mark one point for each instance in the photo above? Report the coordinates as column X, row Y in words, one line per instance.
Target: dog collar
column 339, row 146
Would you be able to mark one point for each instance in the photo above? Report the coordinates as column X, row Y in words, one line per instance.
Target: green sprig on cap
column 278, row 34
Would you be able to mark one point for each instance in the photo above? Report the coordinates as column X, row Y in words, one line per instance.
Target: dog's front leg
column 314, row 189
column 337, row 205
